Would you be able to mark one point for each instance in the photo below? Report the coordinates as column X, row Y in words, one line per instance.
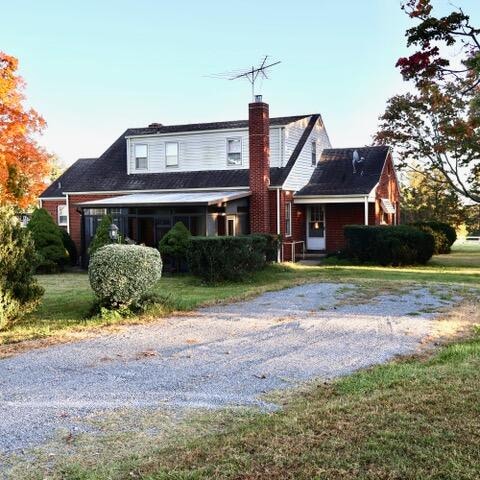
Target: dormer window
column 171, row 154
column 314, row 153
column 234, row 151
column 141, row 157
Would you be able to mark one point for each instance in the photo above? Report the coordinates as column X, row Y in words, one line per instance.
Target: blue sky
column 95, row 68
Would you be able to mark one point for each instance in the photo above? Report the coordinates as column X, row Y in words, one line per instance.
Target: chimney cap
column 258, row 99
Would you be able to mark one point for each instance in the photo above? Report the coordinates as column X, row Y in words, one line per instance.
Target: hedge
column 444, row 234
column 217, row 259
column 174, row 245
column 122, row 274
column 389, row 245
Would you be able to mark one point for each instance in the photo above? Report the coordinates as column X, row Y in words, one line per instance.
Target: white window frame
column 314, row 147
column 136, row 158
column 288, row 219
column 59, row 216
column 228, row 152
column 172, row 165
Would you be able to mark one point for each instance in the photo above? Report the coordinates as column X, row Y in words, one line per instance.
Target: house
column 276, row 175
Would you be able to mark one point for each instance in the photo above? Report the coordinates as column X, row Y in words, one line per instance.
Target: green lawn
column 68, row 296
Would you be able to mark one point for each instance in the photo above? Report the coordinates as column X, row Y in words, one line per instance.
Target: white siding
column 303, row 169
column 198, row 151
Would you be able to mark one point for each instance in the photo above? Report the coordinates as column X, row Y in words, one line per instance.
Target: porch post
column 366, row 210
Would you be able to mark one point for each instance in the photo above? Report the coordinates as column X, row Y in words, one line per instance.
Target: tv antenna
column 252, row 74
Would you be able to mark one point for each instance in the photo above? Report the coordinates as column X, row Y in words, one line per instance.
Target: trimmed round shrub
column 447, row 230
column 19, row 290
column 48, row 241
column 121, row 275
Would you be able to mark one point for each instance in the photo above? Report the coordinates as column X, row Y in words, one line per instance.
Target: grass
column 414, row 418
column 68, row 297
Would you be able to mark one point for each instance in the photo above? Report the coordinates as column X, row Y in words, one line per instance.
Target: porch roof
column 180, row 198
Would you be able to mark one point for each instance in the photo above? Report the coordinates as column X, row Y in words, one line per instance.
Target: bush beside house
column 217, row 259
column 444, row 234
column 174, row 245
column 102, row 235
column 48, row 240
column 389, row 245
column 70, row 247
column 19, row 290
column 121, row 275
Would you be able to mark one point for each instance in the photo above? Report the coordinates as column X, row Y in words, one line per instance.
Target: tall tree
column 24, row 165
column 425, row 200
column 438, row 125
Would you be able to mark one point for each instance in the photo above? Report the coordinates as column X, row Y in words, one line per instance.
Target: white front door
column 316, row 227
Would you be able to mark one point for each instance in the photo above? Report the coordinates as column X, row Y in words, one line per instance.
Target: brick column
column 259, row 173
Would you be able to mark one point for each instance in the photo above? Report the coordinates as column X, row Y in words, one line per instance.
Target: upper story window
column 141, row 157
column 171, row 154
column 62, row 215
column 234, row 151
column 314, row 153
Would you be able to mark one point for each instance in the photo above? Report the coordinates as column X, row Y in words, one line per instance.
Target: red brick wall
column 259, row 171
column 337, row 215
column 51, row 207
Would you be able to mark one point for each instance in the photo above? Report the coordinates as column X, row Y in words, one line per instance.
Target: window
column 314, row 153
column 62, row 215
column 288, row 220
column 234, row 151
column 171, row 154
column 141, row 157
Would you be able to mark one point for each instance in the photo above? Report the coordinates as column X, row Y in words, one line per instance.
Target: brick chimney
column 259, row 173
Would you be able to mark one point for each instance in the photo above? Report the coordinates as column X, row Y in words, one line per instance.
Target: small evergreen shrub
column 47, row 237
column 217, row 259
column 174, row 245
column 389, row 245
column 69, row 246
column 19, row 290
column 120, row 275
column 102, row 235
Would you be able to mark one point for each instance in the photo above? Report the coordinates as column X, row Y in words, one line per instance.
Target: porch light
column 113, row 232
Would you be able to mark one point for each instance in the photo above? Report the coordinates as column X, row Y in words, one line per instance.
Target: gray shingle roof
column 334, row 174
column 109, row 172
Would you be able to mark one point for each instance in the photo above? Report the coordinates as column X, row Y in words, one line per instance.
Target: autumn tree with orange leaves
column 24, row 165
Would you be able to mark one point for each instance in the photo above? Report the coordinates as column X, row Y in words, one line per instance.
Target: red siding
column 388, row 188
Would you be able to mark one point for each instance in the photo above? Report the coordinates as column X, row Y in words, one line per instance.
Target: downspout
column 68, row 214
column 366, row 210
column 279, row 259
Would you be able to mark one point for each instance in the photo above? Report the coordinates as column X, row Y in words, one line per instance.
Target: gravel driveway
column 219, row 356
